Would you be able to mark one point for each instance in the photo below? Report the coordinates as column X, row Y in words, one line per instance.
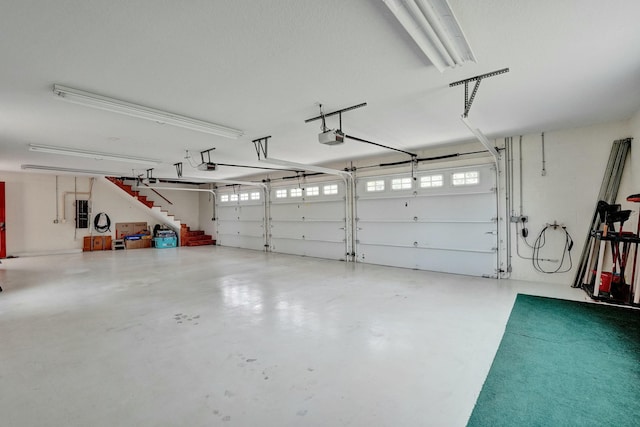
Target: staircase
column 188, row 237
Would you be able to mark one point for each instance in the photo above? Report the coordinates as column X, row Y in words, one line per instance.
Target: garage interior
column 317, row 213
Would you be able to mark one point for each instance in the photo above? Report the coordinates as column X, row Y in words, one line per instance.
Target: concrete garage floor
column 218, row 336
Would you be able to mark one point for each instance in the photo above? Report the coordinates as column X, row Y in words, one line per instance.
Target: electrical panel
column 82, row 214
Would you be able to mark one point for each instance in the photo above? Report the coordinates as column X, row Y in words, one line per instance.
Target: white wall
column 206, row 212
column 31, row 211
column 575, row 164
column 184, row 205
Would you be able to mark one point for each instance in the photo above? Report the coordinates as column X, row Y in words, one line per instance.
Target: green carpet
column 564, row 363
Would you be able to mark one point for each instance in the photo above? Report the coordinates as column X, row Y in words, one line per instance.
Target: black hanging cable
column 540, row 242
column 413, row 155
column 99, row 226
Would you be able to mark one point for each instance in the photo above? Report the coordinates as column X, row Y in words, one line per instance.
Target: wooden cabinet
column 96, row 243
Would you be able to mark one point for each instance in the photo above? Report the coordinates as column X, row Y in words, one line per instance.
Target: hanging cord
column 189, row 159
column 99, row 226
column 540, row 242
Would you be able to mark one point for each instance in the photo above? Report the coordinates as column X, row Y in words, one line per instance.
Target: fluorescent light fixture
column 69, row 170
column 91, row 154
column 101, row 102
column 434, row 28
column 480, row 136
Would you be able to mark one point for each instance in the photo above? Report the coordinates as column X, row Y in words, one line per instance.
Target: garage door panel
column 240, row 223
column 443, row 220
column 467, row 263
column 251, row 213
column 315, row 249
column 457, row 208
column 326, row 210
column 228, row 213
column 309, row 211
column 453, row 208
column 240, row 241
column 308, row 224
column 244, row 228
column 470, row 236
column 331, row 231
column 286, row 211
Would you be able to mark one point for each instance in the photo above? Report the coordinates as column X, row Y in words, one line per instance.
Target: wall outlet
column 519, row 218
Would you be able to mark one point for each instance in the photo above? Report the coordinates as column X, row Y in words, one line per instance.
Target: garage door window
column 244, row 196
column 224, row 198
column 330, row 189
column 281, row 194
column 255, row 195
column 430, row 181
column 377, row 185
column 233, row 197
column 295, row 192
column 313, row 191
column 465, row 178
column 401, row 183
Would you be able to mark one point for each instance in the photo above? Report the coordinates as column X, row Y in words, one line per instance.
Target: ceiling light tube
column 113, row 105
column 480, row 136
column 68, row 170
column 423, row 24
column 91, row 154
column 434, row 28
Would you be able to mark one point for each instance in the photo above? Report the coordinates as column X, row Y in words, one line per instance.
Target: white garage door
column 241, row 219
column 444, row 220
column 309, row 219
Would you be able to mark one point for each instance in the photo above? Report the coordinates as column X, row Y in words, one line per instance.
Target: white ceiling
column 262, row 66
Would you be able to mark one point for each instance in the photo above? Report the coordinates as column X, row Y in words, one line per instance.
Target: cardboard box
column 96, row 243
column 128, row 228
column 137, row 244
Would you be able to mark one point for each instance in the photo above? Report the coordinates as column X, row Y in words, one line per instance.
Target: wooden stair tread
column 199, row 237
column 201, row 242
